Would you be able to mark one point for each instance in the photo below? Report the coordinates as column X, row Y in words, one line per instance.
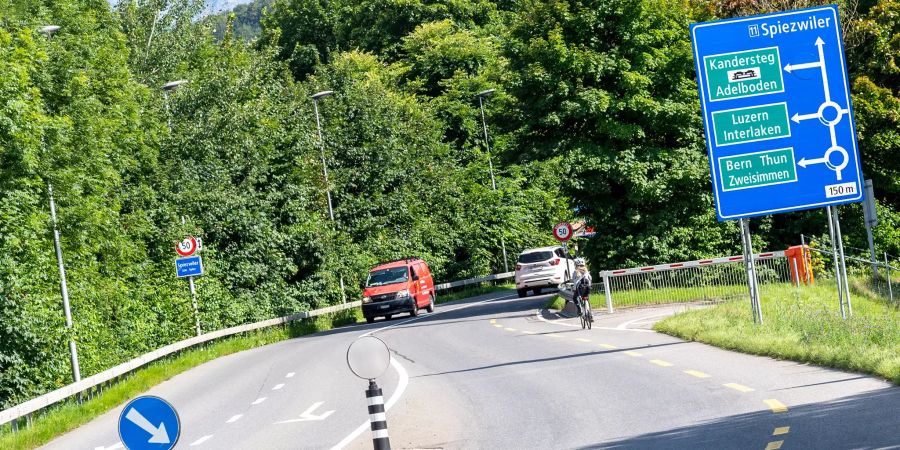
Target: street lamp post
column 48, row 31
column 481, row 96
column 315, row 98
column 166, row 88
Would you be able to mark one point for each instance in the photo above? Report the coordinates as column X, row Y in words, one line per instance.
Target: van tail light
column 554, row 262
column 518, row 267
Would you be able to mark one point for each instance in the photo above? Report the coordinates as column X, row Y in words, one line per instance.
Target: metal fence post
column 887, row 269
column 607, row 291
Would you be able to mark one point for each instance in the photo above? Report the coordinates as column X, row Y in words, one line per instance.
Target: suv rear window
column 387, row 276
column 534, row 257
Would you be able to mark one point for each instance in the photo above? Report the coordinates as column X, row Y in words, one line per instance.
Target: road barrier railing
column 27, row 409
column 711, row 279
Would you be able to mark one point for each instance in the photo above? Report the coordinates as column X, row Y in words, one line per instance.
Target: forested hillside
column 595, row 116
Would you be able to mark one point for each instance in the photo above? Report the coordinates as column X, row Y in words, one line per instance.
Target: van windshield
column 534, row 257
column 387, row 276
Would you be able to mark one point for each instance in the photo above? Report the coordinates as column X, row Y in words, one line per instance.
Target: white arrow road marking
column 805, row 162
column 157, row 435
column 278, row 386
column 111, row 447
column 290, row 375
column 308, row 415
column 234, row 418
column 201, row 440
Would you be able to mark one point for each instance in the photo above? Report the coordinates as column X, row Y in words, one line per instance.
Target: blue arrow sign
column 191, row 266
column 777, row 114
column 149, row 423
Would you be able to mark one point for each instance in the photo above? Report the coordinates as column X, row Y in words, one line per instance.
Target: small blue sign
column 191, row 266
column 776, row 106
column 149, row 423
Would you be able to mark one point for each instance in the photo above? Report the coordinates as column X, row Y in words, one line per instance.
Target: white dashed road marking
column 259, row 400
column 290, row 375
column 201, row 440
column 278, row 386
column 234, row 418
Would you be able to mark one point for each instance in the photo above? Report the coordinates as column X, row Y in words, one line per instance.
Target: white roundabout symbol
column 845, row 158
column 838, row 113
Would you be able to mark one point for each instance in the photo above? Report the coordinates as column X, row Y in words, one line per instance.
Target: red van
column 400, row 286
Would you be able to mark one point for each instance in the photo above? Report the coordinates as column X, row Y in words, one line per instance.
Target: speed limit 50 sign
column 562, row 231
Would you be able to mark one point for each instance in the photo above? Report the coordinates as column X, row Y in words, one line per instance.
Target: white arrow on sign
column 308, row 415
column 157, row 435
column 805, row 162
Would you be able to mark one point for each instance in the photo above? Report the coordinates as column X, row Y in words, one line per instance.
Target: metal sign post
column 73, row 349
column 750, row 264
column 871, row 219
column 563, row 231
column 840, row 243
column 837, row 264
column 190, row 265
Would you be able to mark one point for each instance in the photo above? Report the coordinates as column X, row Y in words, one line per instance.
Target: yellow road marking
column 775, row 405
column 774, row 445
column 635, row 354
column 509, row 329
column 555, row 335
column 660, row 362
column 738, row 387
column 498, row 325
column 529, row 332
column 697, row 373
column 781, row 430
column 582, row 340
column 493, row 320
column 608, row 346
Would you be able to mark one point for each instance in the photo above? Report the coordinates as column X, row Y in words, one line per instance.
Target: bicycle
column 587, row 316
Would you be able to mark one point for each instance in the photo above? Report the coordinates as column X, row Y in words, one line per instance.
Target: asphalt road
column 496, row 372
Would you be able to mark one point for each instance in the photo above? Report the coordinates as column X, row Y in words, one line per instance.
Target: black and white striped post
column 377, row 419
column 368, row 358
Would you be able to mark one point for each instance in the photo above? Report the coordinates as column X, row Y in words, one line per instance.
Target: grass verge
column 802, row 325
column 70, row 415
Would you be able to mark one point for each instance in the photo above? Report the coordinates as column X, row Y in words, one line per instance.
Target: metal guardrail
column 92, row 381
column 72, row 390
column 477, row 280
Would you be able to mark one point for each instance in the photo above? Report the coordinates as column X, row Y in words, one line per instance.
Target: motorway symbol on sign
column 562, row 231
column 780, row 135
column 187, row 247
column 149, row 422
column 191, row 266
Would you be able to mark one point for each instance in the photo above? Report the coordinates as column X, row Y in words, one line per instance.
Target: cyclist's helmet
column 579, row 262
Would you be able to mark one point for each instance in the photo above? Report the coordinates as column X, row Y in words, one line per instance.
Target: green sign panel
column 752, row 170
column 751, row 124
column 743, row 74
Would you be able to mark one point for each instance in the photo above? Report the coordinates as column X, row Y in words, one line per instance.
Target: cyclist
column 581, row 287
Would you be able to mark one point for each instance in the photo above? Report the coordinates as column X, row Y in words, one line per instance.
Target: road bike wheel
column 583, row 322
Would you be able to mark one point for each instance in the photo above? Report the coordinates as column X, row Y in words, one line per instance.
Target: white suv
column 540, row 268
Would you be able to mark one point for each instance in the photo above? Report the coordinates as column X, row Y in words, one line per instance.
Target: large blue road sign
column 191, row 266
column 149, row 423
column 776, row 109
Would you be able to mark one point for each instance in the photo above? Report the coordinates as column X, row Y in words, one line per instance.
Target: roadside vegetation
column 594, row 110
column 803, row 325
column 67, row 416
